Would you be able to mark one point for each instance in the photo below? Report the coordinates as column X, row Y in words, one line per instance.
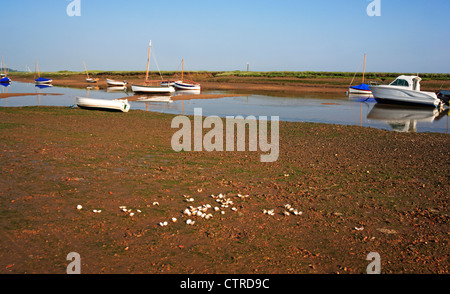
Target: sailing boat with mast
column 40, row 80
column 88, row 79
column 361, row 88
column 4, row 77
column 151, row 89
column 186, row 84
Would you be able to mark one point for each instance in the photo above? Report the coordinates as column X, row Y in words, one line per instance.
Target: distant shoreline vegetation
column 2, row 70
column 251, row 74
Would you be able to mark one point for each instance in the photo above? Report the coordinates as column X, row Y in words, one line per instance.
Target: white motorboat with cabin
column 405, row 90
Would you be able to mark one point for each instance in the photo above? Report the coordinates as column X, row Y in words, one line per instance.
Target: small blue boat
column 4, row 76
column 40, row 81
column 5, row 80
column 360, row 89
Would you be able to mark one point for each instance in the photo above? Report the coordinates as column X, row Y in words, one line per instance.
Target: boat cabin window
column 400, row 82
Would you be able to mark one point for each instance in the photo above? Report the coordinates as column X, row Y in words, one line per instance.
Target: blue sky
column 283, row 35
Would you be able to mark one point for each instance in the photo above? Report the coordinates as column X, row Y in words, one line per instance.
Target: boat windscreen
column 400, row 82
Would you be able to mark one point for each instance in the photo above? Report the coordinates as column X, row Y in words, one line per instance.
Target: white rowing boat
column 92, row 80
column 186, row 84
column 116, row 83
column 88, row 78
column 103, row 104
column 152, row 89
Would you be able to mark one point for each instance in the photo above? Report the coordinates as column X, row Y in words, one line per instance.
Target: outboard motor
column 444, row 96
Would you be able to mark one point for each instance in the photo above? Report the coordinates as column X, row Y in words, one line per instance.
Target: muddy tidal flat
column 103, row 185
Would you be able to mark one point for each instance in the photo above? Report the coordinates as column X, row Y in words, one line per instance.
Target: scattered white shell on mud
column 269, row 212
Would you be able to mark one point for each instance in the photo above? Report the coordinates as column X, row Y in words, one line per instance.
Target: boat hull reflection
column 403, row 118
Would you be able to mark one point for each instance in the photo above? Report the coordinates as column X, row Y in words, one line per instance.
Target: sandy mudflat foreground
column 360, row 190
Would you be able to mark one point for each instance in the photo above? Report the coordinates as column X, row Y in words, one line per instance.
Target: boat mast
column 148, row 59
column 182, row 70
column 86, row 69
column 364, row 68
column 37, row 67
column 3, row 65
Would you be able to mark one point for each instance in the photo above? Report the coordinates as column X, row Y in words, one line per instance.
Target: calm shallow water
column 336, row 109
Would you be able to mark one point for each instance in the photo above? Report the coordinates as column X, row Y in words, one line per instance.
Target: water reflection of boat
column 43, row 86
column 5, row 85
column 164, row 99
column 361, row 97
column 188, row 92
column 403, row 118
column 116, row 88
column 405, row 90
column 103, row 104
